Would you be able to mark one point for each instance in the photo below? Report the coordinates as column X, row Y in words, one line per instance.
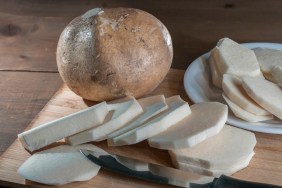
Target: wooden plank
column 266, row 166
column 22, row 96
column 29, row 42
column 195, row 26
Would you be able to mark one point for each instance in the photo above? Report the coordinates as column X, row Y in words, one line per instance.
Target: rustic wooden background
column 29, row 32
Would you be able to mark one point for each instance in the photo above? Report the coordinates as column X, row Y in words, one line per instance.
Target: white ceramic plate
column 198, row 85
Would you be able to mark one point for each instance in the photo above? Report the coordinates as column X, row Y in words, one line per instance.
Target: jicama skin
column 151, row 107
column 232, row 87
column 60, row 165
column 243, row 114
column 233, row 58
column 265, row 93
column 206, row 120
column 225, row 150
column 178, row 110
column 214, row 172
column 56, row 130
column 124, row 111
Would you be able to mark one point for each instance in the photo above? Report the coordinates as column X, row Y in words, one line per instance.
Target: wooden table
column 29, row 32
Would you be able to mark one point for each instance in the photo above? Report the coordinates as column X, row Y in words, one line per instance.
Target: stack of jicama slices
column 240, row 73
column 225, row 153
column 204, row 144
column 167, row 123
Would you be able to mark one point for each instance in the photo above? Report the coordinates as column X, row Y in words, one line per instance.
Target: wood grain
column 195, row 26
column 22, row 96
column 29, row 43
column 266, row 166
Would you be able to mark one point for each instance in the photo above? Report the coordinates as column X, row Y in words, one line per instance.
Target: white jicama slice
column 206, row 120
column 53, row 131
column 243, row 114
column 125, row 110
column 268, row 58
column 216, row 76
column 277, row 75
column 225, row 150
column 60, row 165
column 265, row 93
column 151, row 107
column 178, row 110
column 232, row 87
column 214, row 172
column 233, row 58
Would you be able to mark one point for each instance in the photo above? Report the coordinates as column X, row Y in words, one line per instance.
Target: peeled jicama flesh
column 58, row 129
column 226, row 150
column 178, row 110
column 233, row 58
column 151, row 107
column 214, row 172
column 216, row 76
column 243, row 114
column 277, row 75
column 232, row 87
column 124, row 110
column 265, row 93
column 268, row 59
column 206, row 120
column 60, row 165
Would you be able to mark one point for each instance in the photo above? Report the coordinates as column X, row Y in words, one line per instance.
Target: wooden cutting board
column 266, row 165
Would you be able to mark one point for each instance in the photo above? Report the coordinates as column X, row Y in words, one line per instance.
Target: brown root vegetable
column 115, row 52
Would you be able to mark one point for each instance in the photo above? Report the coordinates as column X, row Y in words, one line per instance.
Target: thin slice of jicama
column 53, row 131
column 216, row 76
column 232, row 87
column 60, row 165
column 214, row 172
column 151, row 106
column 225, row 150
column 268, row 59
column 243, row 114
column 178, row 109
column 124, row 111
column 265, row 93
column 206, row 120
column 277, row 75
column 233, row 58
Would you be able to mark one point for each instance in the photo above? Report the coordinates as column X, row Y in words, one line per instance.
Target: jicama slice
column 243, row 114
column 277, row 75
column 233, row 58
column 232, row 87
column 268, row 58
column 53, row 131
column 183, row 178
column 178, row 110
column 123, row 112
column 222, row 151
column 216, row 76
column 151, row 107
column 206, row 120
column 265, row 93
column 214, row 172
column 60, row 165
